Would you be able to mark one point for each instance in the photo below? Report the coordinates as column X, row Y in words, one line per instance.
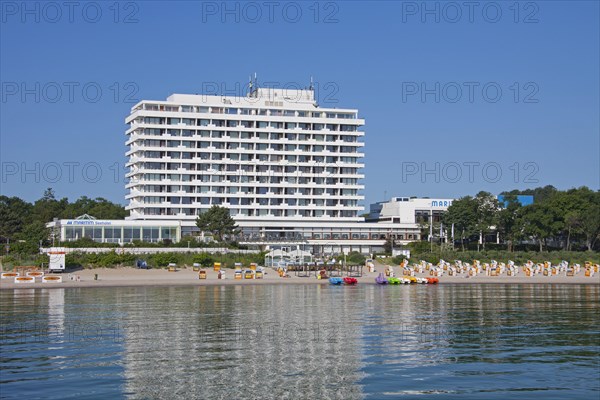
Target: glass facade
column 120, row 234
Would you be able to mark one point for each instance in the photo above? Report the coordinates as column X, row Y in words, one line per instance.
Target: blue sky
column 499, row 97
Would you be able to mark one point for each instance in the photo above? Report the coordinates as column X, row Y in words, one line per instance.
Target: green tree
column 591, row 223
column 104, row 209
column 574, row 223
column 487, row 213
column 508, row 220
column 569, row 207
column 99, row 208
column 47, row 208
column 540, row 194
column 540, row 222
column 217, row 222
column 463, row 214
column 14, row 214
column 28, row 240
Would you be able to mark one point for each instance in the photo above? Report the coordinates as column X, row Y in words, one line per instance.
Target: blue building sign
column 523, row 199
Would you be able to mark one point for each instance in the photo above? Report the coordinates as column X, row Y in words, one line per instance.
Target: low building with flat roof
column 409, row 210
column 115, row 231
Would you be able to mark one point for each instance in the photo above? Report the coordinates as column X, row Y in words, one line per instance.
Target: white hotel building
column 289, row 171
column 272, row 156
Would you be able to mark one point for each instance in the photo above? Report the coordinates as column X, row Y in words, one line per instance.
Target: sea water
column 302, row 342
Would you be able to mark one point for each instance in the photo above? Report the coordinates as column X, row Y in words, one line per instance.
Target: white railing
column 152, row 250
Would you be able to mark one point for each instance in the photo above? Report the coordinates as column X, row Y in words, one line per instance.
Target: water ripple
column 290, row 342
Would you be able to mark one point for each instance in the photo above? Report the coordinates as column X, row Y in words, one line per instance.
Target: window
column 153, row 131
column 154, row 120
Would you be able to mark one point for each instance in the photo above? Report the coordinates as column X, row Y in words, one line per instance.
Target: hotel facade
column 271, row 156
column 288, row 170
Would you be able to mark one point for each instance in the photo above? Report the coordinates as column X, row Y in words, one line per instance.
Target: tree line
column 567, row 220
column 23, row 224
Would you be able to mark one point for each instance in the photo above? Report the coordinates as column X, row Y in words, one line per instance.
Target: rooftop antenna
column 311, row 87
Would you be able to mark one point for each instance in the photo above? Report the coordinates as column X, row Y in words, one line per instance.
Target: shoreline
column 186, row 277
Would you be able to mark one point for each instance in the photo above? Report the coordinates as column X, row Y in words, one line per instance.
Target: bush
column 103, row 260
column 164, row 259
column 398, row 259
column 204, row 259
column 420, row 247
column 87, row 242
column 9, row 261
column 355, row 258
column 113, row 259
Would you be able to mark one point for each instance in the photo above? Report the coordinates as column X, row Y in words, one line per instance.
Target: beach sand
column 127, row 276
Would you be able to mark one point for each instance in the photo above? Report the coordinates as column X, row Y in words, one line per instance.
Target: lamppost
column 55, row 220
column 431, row 229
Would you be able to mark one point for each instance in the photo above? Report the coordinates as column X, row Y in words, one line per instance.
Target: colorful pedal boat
column 394, row 281
column 350, row 281
column 335, row 281
column 432, row 280
column 381, row 279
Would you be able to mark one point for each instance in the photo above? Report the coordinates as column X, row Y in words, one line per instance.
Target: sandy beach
column 127, row 276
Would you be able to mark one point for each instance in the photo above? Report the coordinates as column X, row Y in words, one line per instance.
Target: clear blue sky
column 372, row 56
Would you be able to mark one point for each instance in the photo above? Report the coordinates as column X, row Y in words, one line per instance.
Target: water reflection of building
column 407, row 322
column 56, row 311
column 243, row 341
column 33, row 315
